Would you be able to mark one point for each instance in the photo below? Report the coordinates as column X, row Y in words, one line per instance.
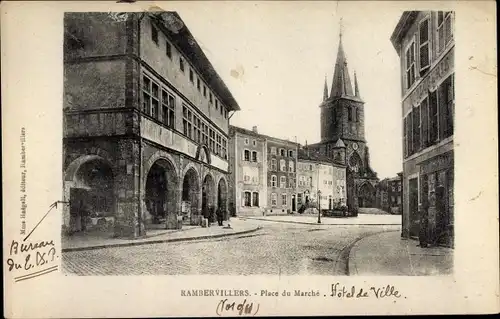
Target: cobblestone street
column 277, row 249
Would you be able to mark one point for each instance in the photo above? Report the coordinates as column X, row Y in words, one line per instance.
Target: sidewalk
column 238, row 227
column 387, row 254
column 313, row 219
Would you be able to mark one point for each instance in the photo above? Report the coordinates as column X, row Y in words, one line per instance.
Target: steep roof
column 306, row 154
column 341, row 83
column 178, row 32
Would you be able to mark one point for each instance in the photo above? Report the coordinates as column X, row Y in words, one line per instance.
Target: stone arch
column 190, row 192
column 366, row 195
column 89, row 188
column 160, row 201
column 156, row 156
column 208, row 196
column 222, row 195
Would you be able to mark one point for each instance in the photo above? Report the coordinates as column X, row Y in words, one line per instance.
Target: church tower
column 343, row 132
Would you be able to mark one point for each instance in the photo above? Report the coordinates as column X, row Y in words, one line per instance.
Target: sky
column 274, row 58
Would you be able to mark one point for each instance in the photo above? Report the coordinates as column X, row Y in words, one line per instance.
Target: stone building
column 281, row 176
column 343, row 134
column 146, row 121
column 390, row 194
column 262, row 173
column 424, row 41
column 248, row 172
column 317, row 172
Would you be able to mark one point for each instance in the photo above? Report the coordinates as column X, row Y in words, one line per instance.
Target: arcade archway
column 222, row 196
column 366, row 195
column 190, row 193
column 89, row 190
column 207, row 198
column 160, row 194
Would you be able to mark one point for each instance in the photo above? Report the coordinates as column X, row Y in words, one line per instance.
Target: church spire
column 341, row 83
column 325, row 91
column 356, row 86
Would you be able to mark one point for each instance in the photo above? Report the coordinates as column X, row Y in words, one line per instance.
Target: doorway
column 294, row 205
column 413, row 206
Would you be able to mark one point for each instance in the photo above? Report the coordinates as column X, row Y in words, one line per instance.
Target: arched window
column 355, row 162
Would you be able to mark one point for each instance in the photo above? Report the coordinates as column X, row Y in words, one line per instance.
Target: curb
column 352, row 270
column 159, row 241
column 305, row 223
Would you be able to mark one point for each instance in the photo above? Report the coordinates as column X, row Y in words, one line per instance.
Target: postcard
column 273, row 158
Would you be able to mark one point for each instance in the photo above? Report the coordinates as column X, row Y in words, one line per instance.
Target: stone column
column 128, row 223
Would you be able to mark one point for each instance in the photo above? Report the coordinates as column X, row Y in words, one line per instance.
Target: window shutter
column 424, row 44
column 424, row 109
column 433, row 120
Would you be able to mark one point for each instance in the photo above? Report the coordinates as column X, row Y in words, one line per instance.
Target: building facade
column 281, row 176
column 343, row 124
column 390, row 194
column 316, row 172
column 248, row 172
column 146, row 121
column 424, row 41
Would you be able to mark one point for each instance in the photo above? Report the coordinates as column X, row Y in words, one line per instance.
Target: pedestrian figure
column 220, row 216
column 424, row 226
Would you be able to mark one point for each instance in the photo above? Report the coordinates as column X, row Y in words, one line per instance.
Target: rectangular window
column 204, row 91
column 181, row 64
column 444, row 29
column 254, row 156
column 290, row 153
column 191, row 75
column 299, row 198
column 409, row 133
column 210, row 98
column 283, row 199
column 217, row 105
column 187, row 121
column 154, row 34
column 168, row 109
column 416, row 128
column 273, row 150
column 274, row 199
column 282, row 152
column 424, row 115
column 410, row 65
column 282, row 165
column 274, row 165
column 291, row 167
column 248, row 199
column 274, row 181
column 445, row 103
column 291, row 183
column 433, row 118
column 255, row 198
column 246, row 154
column 169, row 49
column 198, row 84
column 424, row 45
column 282, row 182
column 146, row 95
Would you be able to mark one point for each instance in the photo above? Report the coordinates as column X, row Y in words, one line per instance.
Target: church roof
column 341, row 83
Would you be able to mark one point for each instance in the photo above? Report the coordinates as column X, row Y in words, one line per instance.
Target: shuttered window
column 433, row 117
column 424, row 123
column 424, row 44
column 416, row 129
column 410, row 65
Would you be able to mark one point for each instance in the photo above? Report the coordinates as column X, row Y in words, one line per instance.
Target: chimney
column 254, row 129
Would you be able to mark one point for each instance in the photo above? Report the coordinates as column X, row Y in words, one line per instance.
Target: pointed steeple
column 325, row 90
column 356, row 86
column 341, row 83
